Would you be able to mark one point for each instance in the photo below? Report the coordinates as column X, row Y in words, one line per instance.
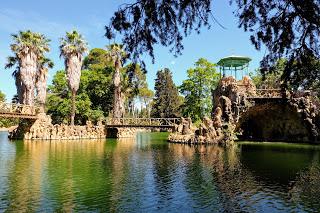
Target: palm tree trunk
column 41, row 87
column 73, row 65
column 73, row 109
column 28, row 69
column 117, row 101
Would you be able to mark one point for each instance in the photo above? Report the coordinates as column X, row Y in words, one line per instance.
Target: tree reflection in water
column 148, row 174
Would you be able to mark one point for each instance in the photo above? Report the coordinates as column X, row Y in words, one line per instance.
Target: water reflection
column 148, row 174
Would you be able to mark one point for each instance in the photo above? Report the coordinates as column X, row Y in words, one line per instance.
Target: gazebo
column 234, row 63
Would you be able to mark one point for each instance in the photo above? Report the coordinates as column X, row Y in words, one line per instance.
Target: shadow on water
column 148, row 174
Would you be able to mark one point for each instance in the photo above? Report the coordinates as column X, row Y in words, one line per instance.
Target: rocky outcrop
column 210, row 131
column 43, row 129
column 242, row 111
column 309, row 112
column 229, row 99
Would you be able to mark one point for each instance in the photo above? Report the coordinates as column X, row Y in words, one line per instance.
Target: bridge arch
column 273, row 121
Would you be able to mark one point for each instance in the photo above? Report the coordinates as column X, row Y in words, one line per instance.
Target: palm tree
column 117, row 54
column 72, row 48
column 28, row 47
column 11, row 62
column 41, row 80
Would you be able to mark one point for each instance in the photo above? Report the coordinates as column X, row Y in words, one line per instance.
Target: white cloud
column 173, row 62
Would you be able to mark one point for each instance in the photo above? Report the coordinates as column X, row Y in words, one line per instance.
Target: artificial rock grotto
column 241, row 111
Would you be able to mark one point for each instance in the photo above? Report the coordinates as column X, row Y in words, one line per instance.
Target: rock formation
column 43, row 129
column 242, row 110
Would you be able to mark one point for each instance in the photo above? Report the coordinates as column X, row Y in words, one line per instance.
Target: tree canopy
column 145, row 23
column 29, row 50
column 95, row 95
column 167, row 102
column 289, row 29
column 202, row 79
column 6, row 122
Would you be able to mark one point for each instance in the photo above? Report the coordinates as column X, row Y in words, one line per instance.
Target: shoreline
column 7, row 129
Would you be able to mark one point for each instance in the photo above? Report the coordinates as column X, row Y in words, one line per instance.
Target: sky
column 55, row 17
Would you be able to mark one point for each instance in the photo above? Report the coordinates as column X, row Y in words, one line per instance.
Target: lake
column 147, row 174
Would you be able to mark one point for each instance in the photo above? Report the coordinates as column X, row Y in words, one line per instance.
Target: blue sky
column 54, row 17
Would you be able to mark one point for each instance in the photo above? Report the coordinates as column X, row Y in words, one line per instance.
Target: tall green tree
column 167, row 102
column 98, row 59
column 59, row 97
column 95, row 88
column 145, row 95
column 28, row 48
column 98, row 85
column 275, row 78
column 72, row 49
column 133, row 80
column 202, row 79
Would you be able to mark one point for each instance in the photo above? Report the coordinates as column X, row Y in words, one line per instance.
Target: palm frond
column 11, row 61
column 73, row 44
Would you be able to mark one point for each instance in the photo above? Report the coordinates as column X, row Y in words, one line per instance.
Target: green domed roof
column 234, row 61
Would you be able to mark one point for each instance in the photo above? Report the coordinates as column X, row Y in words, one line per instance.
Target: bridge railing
column 142, row 121
column 268, row 93
column 18, row 109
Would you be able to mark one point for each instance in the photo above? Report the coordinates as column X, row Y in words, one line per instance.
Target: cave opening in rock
column 273, row 122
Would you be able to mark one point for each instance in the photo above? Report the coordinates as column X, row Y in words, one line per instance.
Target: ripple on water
column 150, row 175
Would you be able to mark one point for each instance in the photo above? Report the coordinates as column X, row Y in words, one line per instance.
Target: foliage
column 29, row 49
column 98, row 59
column 73, row 44
column 145, row 95
column 27, row 40
column 2, row 97
column 197, row 90
column 133, row 82
column 6, row 122
column 95, row 94
column 93, row 102
column 166, row 101
column 148, row 22
column 269, row 80
column 297, row 81
column 289, row 29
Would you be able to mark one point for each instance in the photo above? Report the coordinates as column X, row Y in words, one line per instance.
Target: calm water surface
column 149, row 175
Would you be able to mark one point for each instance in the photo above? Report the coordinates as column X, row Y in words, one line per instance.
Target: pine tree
column 167, row 101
